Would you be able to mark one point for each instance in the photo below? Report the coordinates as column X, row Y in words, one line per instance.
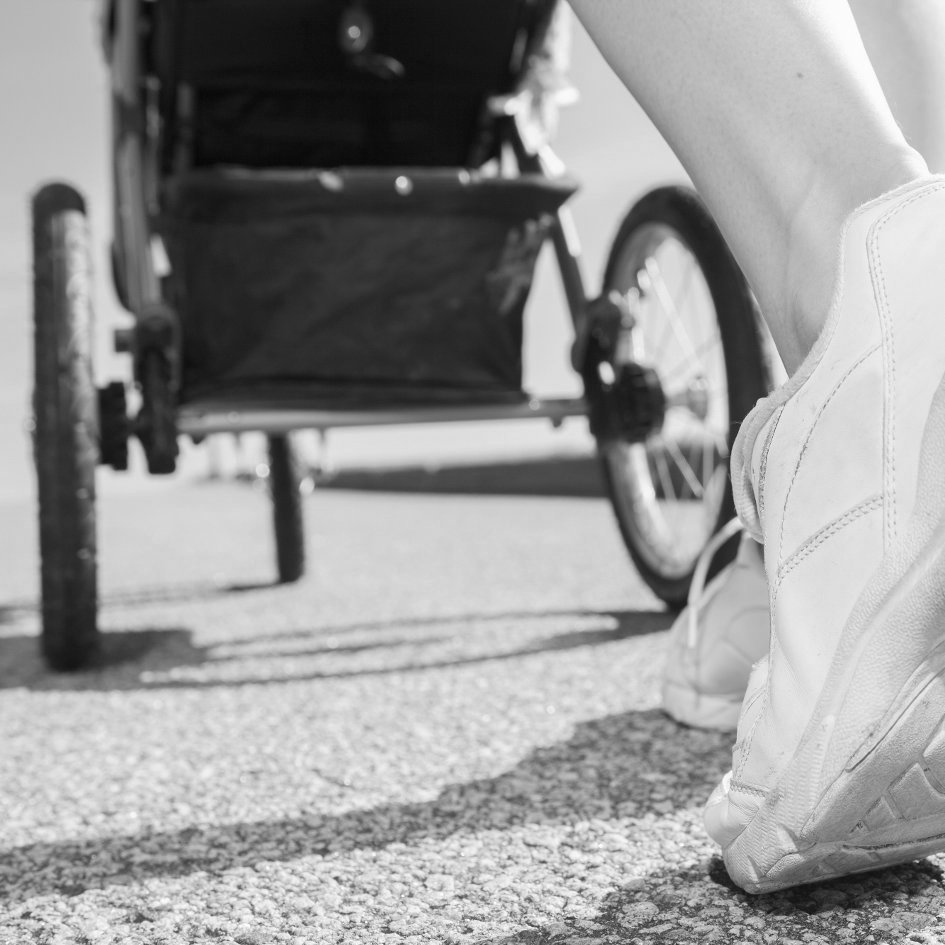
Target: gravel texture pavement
column 447, row 732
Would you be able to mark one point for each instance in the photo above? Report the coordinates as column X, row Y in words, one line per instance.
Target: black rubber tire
column 746, row 371
column 285, row 484
column 65, row 432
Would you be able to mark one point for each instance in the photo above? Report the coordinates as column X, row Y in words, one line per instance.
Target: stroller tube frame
column 135, row 164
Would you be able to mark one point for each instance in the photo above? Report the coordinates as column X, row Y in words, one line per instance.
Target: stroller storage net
column 346, row 281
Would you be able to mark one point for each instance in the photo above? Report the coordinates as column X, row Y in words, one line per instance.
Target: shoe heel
column 866, row 788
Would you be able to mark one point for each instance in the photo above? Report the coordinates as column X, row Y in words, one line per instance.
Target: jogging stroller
column 328, row 213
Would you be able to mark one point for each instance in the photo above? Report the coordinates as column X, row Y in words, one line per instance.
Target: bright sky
column 53, row 103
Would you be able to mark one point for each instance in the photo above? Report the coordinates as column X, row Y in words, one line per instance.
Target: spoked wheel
column 693, row 321
column 65, row 431
column 285, row 483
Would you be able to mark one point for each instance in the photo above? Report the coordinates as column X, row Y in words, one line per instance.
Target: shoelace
column 697, row 587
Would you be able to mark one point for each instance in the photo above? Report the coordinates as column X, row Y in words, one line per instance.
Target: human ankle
column 813, row 263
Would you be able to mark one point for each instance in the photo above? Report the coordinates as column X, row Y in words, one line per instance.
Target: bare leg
column 836, row 471
column 905, row 40
column 775, row 111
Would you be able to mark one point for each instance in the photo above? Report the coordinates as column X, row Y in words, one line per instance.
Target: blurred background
column 54, row 107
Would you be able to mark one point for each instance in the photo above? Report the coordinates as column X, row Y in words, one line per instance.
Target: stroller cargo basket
column 356, row 287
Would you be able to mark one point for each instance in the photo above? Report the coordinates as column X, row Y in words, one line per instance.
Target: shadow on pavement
column 700, row 904
column 13, row 610
column 566, row 476
column 619, row 768
column 159, row 658
column 569, row 476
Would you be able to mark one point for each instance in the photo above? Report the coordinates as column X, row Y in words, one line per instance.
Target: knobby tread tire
column 65, row 432
column 747, row 375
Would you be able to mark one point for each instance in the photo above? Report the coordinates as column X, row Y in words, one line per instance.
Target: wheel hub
column 629, row 403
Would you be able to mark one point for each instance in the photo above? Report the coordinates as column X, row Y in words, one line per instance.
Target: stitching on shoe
column 763, row 696
column 808, row 548
column 828, row 531
column 755, row 696
column 743, row 788
column 810, row 434
column 763, row 468
column 878, row 277
column 880, row 294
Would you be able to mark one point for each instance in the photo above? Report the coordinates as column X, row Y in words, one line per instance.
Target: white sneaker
column 839, row 763
column 715, row 641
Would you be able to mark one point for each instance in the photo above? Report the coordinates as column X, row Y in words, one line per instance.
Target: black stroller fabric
column 271, row 86
column 358, row 287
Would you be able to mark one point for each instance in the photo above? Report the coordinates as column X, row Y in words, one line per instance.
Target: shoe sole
column 699, row 710
column 877, row 797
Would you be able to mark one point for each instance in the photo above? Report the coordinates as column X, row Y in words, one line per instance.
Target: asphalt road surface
column 447, row 732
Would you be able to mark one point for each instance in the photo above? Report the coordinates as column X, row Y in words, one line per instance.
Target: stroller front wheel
column 65, row 426
column 693, row 328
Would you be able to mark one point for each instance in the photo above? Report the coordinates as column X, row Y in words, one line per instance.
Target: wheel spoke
column 669, row 492
column 708, row 468
column 721, row 441
column 715, row 487
column 678, row 396
column 682, row 464
column 684, row 365
column 681, row 295
column 657, row 349
column 687, row 281
column 662, row 470
column 715, row 339
column 669, row 306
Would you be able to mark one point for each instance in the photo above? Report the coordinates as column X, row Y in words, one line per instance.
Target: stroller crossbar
column 201, row 420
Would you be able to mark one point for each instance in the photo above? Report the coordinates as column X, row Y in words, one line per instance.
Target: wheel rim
column 670, row 489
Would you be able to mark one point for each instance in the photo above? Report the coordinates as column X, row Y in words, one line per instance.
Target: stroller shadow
column 565, row 476
column 611, row 768
column 168, row 658
column 178, row 593
column 618, row 769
